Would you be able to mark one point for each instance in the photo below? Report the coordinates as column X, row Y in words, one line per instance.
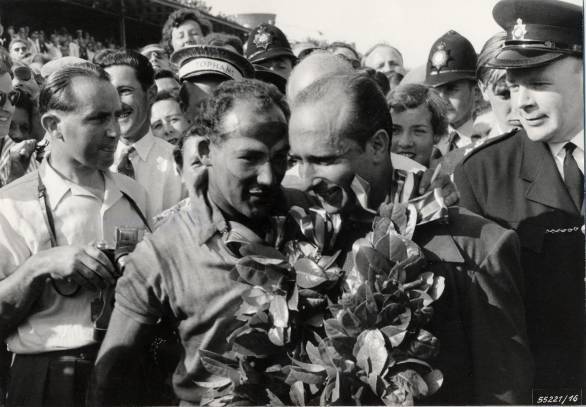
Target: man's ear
column 379, row 144
column 50, row 122
column 203, row 151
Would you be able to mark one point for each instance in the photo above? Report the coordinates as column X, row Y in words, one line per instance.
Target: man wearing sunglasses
column 54, row 226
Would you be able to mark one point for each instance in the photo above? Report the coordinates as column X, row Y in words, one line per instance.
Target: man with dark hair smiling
column 340, row 130
column 245, row 160
column 139, row 154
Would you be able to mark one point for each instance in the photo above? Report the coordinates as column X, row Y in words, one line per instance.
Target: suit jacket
column 515, row 182
column 479, row 319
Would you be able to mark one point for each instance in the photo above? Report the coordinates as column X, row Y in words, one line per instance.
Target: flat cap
column 198, row 60
column 267, row 41
column 538, row 32
column 57, row 64
column 451, row 58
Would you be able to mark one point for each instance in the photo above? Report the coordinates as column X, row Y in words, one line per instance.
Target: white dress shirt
column 559, row 152
column 154, row 169
column 81, row 219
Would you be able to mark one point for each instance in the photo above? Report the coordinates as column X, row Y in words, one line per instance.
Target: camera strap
column 50, row 223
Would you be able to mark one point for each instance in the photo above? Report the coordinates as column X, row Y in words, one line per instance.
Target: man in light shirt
column 140, row 155
column 51, row 221
column 532, row 180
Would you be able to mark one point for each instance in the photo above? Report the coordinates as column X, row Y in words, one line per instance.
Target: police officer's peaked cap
column 267, row 41
column 451, row 58
column 199, row 60
column 268, row 76
column 538, row 32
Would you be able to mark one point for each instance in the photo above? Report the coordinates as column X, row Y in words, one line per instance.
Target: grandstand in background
column 132, row 23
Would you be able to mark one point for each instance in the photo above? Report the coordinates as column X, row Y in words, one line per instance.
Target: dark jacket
column 479, row 319
column 515, row 182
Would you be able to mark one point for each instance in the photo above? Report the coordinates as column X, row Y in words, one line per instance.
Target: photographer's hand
column 86, row 266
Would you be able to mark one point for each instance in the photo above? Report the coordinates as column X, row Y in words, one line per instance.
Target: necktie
column 573, row 177
column 124, row 165
column 452, row 140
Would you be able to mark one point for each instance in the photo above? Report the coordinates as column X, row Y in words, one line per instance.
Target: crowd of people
column 134, row 182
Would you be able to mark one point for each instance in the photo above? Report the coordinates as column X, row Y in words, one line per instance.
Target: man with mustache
column 141, row 155
column 340, row 130
column 532, row 180
column 181, row 273
column 51, row 221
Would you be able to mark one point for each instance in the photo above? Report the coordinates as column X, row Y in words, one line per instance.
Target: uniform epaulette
column 490, row 142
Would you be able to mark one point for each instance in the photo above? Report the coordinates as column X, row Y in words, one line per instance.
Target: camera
column 101, row 307
column 125, row 241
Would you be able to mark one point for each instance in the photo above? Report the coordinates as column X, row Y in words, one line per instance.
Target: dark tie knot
column 569, row 147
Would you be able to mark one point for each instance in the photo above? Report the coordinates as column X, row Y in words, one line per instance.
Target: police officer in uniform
column 532, row 180
column 451, row 70
column 269, row 47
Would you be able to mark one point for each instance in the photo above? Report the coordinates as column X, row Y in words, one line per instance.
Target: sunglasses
column 13, row 97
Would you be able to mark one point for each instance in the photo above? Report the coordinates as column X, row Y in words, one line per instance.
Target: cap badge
column 262, row 39
column 519, row 31
column 439, row 58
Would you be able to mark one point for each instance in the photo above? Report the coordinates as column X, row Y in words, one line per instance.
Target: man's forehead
column 93, row 94
column 384, row 51
column 321, row 123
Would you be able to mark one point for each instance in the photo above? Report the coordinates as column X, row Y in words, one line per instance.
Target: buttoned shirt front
column 80, row 219
column 154, row 169
column 559, row 152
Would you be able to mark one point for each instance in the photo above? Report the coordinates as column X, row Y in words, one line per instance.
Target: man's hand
column 442, row 182
column 86, row 266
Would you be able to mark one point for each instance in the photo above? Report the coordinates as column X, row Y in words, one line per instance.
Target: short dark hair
column 165, row 73
column 142, row 67
column 223, row 39
column 56, row 92
column 413, row 95
column 224, row 96
column 165, row 95
column 177, row 18
column 379, row 78
column 368, row 107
